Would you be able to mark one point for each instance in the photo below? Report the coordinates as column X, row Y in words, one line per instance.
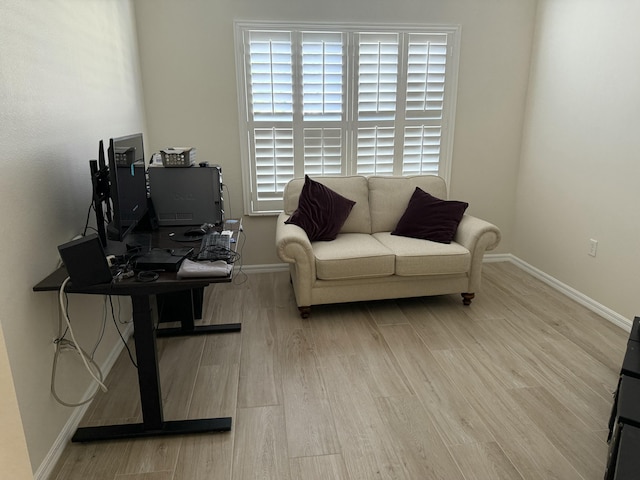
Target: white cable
column 60, row 347
column 80, row 351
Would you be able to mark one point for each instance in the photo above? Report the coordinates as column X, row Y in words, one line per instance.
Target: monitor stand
column 136, row 242
column 115, row 248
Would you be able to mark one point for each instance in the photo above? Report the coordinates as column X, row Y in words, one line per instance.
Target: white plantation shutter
column 323, row 107
column 269, row 60
column 377, row 75
column 377, row 85
column 336, row 100
column 426, row 68
column 425, row 96
column 273, row 161
column 375, row 151
column 323, row 149
column 421, row 154
column 322, row 76
column 271, row 76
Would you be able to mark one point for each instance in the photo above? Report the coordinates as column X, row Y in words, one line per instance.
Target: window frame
column 350, row 69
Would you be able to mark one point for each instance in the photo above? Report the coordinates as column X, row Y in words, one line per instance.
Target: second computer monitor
column 187, row 196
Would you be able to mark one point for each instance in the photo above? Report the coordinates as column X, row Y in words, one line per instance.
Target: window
column 329, row 100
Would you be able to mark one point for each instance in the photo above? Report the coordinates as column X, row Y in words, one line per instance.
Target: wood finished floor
column 516, row 386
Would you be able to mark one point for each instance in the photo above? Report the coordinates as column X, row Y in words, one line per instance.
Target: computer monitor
column 128, row 185
column 101, row 196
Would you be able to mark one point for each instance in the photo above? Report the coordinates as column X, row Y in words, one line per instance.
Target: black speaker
column 85, row 261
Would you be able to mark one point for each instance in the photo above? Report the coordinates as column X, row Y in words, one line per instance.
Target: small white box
column 178, row 156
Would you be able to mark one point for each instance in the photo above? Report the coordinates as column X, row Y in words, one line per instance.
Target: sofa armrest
column 293, row 246
column 472, row 231
column 477, row 236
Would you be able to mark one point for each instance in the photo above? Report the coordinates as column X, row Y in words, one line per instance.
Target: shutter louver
column 323, row 151
column 274, row 161
column 425, row 76
column 421, row 150
column 322, row 82
column 377, row 76
column 378, row 57
column 426, row 67
column 271, row 76
column 375, row 151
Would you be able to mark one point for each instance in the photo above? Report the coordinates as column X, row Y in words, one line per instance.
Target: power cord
column 237, row 259
column 103, row 325
column 124, row 342
column 62, row 345
column 147, row 276
column 228, row 198
column 237, row 277
column 73, row 337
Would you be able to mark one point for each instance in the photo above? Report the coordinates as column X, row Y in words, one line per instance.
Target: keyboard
column 215, row 246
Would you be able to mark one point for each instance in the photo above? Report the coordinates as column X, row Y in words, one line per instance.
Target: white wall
column 14, row 456
column 580, row 161
column 69, row 76
column 190, row 88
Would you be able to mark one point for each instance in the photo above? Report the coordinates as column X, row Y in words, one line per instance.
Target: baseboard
column 50, row 461
column 582, row 299
column 497, row 257
column 266, row 268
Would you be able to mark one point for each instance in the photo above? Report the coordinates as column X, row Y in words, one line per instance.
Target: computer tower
column 187, row 196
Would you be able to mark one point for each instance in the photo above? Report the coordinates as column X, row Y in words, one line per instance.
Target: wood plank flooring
column 516, row 386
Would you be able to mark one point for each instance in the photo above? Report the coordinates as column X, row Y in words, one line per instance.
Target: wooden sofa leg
column 467, row 297
column 305, row 312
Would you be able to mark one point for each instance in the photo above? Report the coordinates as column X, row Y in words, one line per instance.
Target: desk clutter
column 152, row 217
column 191, row 269
column 87, row 264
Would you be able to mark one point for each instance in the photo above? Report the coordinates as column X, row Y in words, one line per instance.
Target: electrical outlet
column 593, row 247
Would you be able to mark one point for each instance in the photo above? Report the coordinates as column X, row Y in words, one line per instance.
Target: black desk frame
column 149, row 381
column 183, row 296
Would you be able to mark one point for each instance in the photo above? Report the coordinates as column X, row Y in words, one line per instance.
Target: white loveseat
column 366, row 262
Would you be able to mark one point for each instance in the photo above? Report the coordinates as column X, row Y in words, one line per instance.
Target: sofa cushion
column 424, row 257
column 354, row 188
column 430, row 218
column 389, row 197
column 352, row 255
column 321, row 212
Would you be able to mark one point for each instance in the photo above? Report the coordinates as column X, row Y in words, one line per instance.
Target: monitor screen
column 128, row 189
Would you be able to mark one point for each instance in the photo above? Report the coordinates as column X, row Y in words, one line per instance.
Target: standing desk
column 182, row 297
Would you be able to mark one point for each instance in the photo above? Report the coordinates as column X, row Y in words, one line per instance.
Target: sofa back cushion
column 389, row 197
column 354, row 188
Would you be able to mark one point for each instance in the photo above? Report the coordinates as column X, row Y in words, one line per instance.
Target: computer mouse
column 195, row 232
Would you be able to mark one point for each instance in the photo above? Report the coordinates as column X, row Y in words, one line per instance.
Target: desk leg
column 150, row 395
column 185, row 307
column 147, row 359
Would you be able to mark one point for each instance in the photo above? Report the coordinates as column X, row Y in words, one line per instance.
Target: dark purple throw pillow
column 430, row 218
column 321, row 212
